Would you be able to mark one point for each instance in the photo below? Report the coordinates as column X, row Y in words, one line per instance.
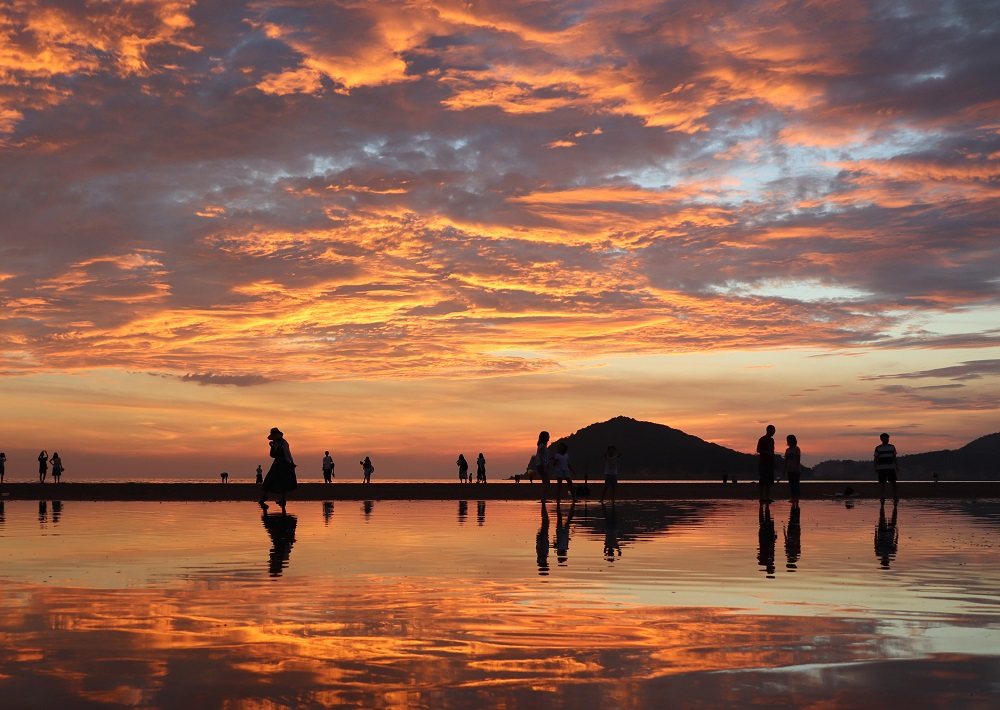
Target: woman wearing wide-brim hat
column 280, row 478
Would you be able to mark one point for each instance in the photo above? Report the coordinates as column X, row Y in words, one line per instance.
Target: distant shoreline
column 503, row 490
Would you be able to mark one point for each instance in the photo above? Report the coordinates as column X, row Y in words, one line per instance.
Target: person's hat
column 275, row 433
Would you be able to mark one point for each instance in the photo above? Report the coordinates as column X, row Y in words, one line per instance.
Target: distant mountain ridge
column 654, row 451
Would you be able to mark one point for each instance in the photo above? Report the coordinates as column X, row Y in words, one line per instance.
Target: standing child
column 611, row 456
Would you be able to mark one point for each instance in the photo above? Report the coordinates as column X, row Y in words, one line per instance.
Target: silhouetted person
column 280, row 479
column 765, row 464
column 43, row 465
column 563, row 471
column 57, row 467
column 260, row 475
column 562, row 532
column 224, row 476
column 463, row 469
column 281, row 528
column 366, row 470
column 793, row 538
column 3, row 465
column 481, row 469
column 481, row 512
column 793, row 468
column 611, row 545
column 886, row 467
column 542, row 462
column 611, row 456
column 327, row 468
column 886, row 537
column 766, row 538
column 542, row 543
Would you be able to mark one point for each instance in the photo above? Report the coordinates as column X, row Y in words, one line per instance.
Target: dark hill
column 654, row 451
column 976, row 461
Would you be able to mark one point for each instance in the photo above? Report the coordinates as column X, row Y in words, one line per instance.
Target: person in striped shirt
column 886, row 467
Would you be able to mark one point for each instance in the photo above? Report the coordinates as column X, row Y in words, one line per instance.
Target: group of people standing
column 463, row 469
column 43, row 466
column 885, row 462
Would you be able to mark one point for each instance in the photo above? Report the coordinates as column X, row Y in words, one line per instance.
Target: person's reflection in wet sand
column 281, row 528
column 481, row 511
column 327, row 511
column 56, row 511
column 3, row 518
column 562, row 532
column 766, row 538
column 43, row 512
column 366, row 507
column 886, row 537
column 542, row 544
column 793, row 539
column 611, row 546
column 463, row 511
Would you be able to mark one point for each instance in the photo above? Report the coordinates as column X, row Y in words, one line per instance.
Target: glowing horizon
column 416, row 229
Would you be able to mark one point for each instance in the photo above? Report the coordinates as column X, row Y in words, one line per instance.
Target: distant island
column 658, row 452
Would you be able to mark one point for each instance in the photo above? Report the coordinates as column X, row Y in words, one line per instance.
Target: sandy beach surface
column 505, row 490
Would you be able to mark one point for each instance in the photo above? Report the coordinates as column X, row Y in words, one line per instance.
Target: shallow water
column 497, row 604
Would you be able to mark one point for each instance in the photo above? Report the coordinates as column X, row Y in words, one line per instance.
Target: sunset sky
column 413, row 229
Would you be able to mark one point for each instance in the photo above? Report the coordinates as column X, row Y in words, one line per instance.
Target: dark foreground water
column 499, row 605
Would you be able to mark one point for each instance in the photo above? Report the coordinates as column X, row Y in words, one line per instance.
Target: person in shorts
column 611, row 456
column 327, row 468
column 886, row 467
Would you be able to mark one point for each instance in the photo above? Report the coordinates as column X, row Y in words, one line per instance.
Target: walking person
column 481, row 469
column 765, row 464
column 280, row 479
column 793, row 467
column 611, row 456
column 367, row 470
column 327, row 468
column 542, row 462
column 886, row 467
column 57, row 467
column 43, row 465
column 463, row 469
column 563, row 471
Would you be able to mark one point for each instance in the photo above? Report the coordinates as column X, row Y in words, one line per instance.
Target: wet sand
column 504, row 490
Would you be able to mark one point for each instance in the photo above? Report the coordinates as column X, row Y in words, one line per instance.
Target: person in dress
column 280, row 479
column 57, row 467
column 367, row 470
column 260, row 475
column 463, row 469
column 542, row 462
column 793, row 468
column 481, row 469
column 43, row 465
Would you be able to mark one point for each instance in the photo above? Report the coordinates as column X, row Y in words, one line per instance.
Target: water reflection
column 886, row 537
column 366, row 508
column 793, row 538
column 57, row 507
column 611, row 546
column 481, row 512
column 463, row 511
column 561, row 544
column 542, row 543
column 327, row 512
column 281, row 528
column 766, row 538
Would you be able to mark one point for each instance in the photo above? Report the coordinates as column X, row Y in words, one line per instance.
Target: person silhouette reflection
column 463, row 511
column 542, row 544
column 281, row 528
column 766, row 538
column 562, row 532
column 327, row 511
column 886, row 537
column 366, row 508
column 56, row 511
column 481, row 512
column 611, row 545
column 43, row 512
column 793, row 539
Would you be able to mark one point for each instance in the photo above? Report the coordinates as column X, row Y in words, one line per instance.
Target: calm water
column 499, row 604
